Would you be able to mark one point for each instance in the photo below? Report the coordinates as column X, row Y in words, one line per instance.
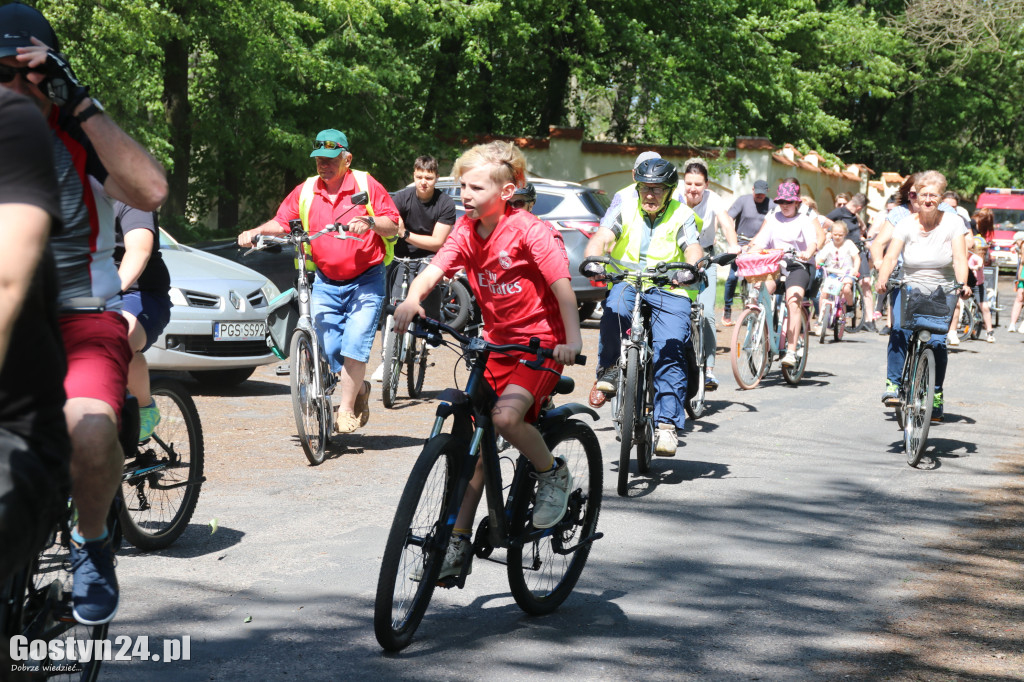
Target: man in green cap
column 348, row 291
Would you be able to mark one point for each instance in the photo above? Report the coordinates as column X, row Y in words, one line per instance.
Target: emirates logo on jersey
column 489, row 281
column 503, row 260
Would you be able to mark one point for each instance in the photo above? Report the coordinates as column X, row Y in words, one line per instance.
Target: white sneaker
column 666, row 441
column 1020, row 329
column 990, row 337
column 952, row 339
column 378, row 374
column 459, row 547
column 1012, row 328
column 552, row 495
column 789, row 359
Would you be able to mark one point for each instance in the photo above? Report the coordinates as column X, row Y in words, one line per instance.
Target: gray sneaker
column 552, row 495
column 608, row 380
column 459, row 547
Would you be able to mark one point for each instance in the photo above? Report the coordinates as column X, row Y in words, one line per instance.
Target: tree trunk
column 553, row 111
column 179, row 113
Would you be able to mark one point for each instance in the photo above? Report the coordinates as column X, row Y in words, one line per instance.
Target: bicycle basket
column 926, row 310
column 759, row 267
column 282, row 318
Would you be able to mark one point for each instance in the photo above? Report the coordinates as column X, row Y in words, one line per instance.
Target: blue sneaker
column 94, row 594
column 149, row 417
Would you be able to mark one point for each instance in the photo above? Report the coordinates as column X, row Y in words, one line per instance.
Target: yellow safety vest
column 662, row 247
column 306, row 200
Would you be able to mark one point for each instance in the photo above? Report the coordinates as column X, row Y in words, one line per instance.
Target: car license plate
column 239, row 331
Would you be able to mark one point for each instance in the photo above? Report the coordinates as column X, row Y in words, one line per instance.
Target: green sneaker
column 937, row 411
column 891, row 397
column 149, row 417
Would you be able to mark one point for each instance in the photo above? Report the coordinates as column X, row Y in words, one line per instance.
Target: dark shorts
column 152, row 310
column 979, row 292
column 34, row 488
column 799, row 276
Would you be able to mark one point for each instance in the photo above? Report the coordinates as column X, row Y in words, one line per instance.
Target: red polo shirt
column 341, row 259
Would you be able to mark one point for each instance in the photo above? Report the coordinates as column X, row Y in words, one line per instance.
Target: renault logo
column 235, row 301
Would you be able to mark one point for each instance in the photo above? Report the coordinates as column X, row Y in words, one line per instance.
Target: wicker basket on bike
column 926, row 308
column 759, row 266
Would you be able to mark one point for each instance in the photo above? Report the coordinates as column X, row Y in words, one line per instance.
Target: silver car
column 218, row 325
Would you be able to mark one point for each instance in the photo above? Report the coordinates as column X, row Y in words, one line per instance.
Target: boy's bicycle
column 312, row 381
column 543, row 565
column 970, row 321
column 924, row 315
column 403, row 349
column 759, row 336
column 832, row 305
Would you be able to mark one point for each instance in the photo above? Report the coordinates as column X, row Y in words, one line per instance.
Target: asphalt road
column 788, row 530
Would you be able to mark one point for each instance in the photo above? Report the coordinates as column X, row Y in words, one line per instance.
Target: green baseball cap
column 330, row 143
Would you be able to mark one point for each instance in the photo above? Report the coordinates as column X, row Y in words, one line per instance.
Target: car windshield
column 1008, row 218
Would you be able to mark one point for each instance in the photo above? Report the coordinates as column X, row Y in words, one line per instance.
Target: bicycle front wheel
column 415, row 364
column 647, row 438
column 839, row 326
column 392, row 363
column 919, row 409
column 163, row 477
column 749, row 349
column 859, row 313
column 542, row 573
column 456, row 305
column 696, row 380
column 627, row 418
column 311, row 419
column 792, row 375
column 417, row 543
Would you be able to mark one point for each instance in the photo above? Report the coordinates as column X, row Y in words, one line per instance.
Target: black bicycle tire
column 922, row 416
column 645, row 445
column 824, row 320
column 135, row 490
column 793, row 376
column 696, row 405
column 859, row 314
column 839, row 327
column 977, row 323
column 437, row 448
column 415, row 366
column 456, row 305
column 305, row 405
column 739, row 358
column 392, row 364
column 627, row 419
column 584, row 526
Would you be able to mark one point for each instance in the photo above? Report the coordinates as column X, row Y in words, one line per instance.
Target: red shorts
column 98, row 356
column 503, row 370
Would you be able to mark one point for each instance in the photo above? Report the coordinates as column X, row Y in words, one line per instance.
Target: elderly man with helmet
column 651, row 228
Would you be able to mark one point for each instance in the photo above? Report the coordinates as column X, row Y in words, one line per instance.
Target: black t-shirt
column 154, row 277
column 420, row 217
column 32, row 377
column 852, row 224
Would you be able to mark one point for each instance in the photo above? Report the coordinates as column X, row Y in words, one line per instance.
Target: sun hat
column 330, row 143
column 788, row 191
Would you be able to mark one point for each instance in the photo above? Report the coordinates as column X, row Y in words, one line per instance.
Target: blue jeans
column 899, row 341
column 670, row 336
column 707, row 297
column 347, row 313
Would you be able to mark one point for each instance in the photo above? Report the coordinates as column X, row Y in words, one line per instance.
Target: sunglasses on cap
column 520, row 203
column 7, row 73
column 328, row 144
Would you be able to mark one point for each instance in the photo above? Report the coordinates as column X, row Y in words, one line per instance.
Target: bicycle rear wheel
column 392, row 363
column 919, row 409
column 311, row 418
column 824, row 320
column 794, row 374
column 695, row 380
column 749, row 354
column 976, row 322
column 164, row 476
column 627, row 418
column 859, row 314
column 415, row 364
column 542, row 573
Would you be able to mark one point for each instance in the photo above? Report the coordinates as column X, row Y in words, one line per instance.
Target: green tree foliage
column 229, row 93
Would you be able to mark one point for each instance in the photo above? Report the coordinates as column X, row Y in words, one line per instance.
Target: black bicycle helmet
column 527, row 194
column 657, row 172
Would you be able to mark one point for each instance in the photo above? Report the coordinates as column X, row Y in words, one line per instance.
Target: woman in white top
column 932, row 245
column 788, row 229
column 714, row 216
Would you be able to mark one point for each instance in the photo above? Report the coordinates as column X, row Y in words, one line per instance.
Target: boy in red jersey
column 520, row 277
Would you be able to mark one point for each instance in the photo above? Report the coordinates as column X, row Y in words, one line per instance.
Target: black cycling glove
column 595, row 270
column 60, row 84
column 682, row 277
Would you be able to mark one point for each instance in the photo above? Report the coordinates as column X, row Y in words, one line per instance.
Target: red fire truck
column 1008, row 210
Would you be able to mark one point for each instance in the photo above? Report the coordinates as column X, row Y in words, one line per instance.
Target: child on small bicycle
column 520, row 277
column 840, row 253
column 1018, row 285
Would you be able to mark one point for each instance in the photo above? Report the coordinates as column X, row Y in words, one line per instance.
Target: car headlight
column 177, row 298
column 270, row 291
